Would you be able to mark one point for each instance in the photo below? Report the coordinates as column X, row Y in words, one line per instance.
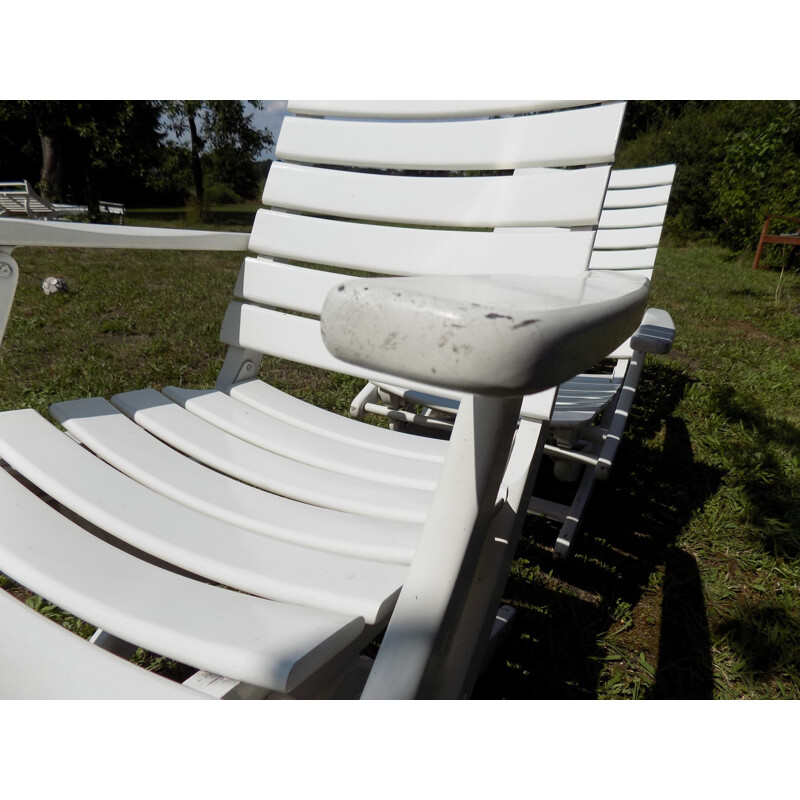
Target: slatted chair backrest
column 395, row 193
column 18, row 199
column 633, row 218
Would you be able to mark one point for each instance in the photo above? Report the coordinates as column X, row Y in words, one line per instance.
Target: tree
column 86, row 147
column 222, row 142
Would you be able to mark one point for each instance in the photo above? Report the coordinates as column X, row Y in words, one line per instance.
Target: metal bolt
column 5, row 271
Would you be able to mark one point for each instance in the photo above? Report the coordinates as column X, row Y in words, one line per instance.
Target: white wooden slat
column 41, row 660
column 627, row 238
column 281, row 438
column 130, row 449
column 642, row 176
column 179, row 535
column 239, row 459
column 650, row 216
column 638, row 197
column 564, row 138
column 425, row 109
column 269, row 400
column 296, row 339
column 555, row 197
column 624, row 259
column 235, row 634
column 416, row 251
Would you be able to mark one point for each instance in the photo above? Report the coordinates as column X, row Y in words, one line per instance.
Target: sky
column 270, row 116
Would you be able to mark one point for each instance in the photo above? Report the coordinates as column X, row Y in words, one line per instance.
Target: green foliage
column 760, row 174
column 219, row 194
column 737, row 160
column 84, row 150
column 222, row 145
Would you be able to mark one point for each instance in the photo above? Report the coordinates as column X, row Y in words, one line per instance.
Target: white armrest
column 491, row 335
column 40, row 233
column 656, row 334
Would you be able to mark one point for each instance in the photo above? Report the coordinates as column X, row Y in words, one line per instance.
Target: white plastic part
column 494, row 335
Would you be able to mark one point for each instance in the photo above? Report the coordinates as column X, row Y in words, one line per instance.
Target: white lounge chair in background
column 590, row 412
column 265, row 541
column 19, row 199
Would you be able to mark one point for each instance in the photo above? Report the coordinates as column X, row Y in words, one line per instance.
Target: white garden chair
column 19, row 199
column 265, row 541
column 591, row 410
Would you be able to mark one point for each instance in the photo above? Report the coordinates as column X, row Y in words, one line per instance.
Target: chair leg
column 431, row 604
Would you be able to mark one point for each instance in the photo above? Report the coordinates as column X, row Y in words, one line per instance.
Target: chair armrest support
column 489, row 335
column 35, row 233
column 656, row 334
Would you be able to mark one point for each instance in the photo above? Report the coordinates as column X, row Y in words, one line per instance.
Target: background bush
column 737, row 161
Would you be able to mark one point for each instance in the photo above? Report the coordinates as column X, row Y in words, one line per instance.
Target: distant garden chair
column 791, row 239
column 263, row 540
column 19, row 199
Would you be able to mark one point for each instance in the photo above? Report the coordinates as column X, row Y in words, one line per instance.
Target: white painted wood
column 417, row 251
column 237, row 458
column 555, row 197
column 129, row 448
column 199, row 544
column 425, row 109
column 40, row 660
column 578, row 136
column 19, row 232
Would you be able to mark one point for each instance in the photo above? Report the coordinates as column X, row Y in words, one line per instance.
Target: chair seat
column 282, row 438
column 270, row 400
column 119, row 441
column 188, row 539
column 270, row 644
column 233, row 456
column 43, row 661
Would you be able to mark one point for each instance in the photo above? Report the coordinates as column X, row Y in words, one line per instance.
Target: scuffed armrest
column 490, row 335
column 38, row 233
column 656, row 334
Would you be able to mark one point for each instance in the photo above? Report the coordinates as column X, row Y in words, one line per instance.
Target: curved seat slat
column 281, row 438
column 239, row 459
column 116, row 439
column 269, row 400
column 196, row 543
column 41, row 660
column 253, row 639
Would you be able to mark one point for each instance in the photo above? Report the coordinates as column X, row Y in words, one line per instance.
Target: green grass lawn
column 686, row 582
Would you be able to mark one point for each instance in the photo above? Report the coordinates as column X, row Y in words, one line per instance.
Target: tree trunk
column 51, row 180
column 197, row 169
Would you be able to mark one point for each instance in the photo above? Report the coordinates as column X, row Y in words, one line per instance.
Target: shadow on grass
column 766, row 637
column 566, row 615
column 763, row 472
